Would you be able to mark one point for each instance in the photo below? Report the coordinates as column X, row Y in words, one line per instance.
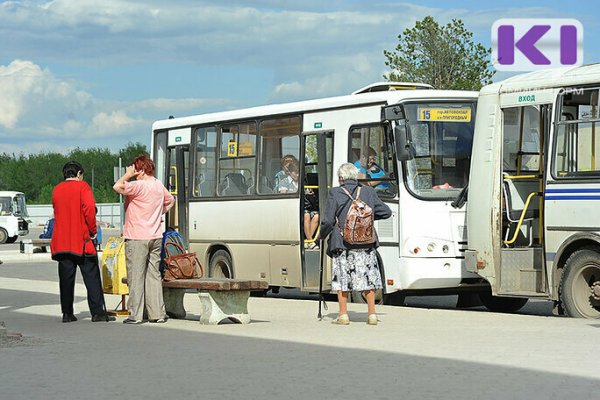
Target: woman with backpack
column 348, row 220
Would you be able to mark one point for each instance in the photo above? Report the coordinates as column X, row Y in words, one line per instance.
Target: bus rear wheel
column 12, row 239
column 220, row 265
column 580, row 285
column 3, row 236
column 501, row 304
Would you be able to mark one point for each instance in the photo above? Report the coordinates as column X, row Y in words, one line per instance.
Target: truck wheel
column 580, row 285
column 3, row 236
column 501, row 304
column 12, row 239
column 221, row 265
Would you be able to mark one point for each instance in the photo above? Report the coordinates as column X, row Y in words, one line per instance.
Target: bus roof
column 391, row 86
column 389, row 97
column 546, row 79
column 8, row 193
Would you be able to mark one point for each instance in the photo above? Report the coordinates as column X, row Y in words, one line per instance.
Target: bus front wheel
column 501, row 304
column 220, row 265
column 580, row 284
column 3, row 236
column 359, row 297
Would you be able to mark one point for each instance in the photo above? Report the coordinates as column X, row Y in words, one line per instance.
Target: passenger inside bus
column 311, row 211
column 289, row 184
column 368, row 168
column 284, row 172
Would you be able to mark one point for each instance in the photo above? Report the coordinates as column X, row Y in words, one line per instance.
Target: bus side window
column 279, row 145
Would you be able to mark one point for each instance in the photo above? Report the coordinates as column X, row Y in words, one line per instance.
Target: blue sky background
column 83, row 73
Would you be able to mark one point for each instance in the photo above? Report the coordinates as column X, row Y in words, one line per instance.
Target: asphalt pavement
column 427, row 350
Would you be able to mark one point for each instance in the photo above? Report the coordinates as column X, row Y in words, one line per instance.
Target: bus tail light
column 390, row 282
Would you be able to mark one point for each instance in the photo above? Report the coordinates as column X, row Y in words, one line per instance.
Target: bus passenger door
column 178, row 185
column 316, row 172
column 172, row 161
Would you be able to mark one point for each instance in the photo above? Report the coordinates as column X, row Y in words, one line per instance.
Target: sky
column 97, row 73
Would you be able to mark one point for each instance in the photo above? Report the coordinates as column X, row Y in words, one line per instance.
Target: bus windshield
column 442, row 136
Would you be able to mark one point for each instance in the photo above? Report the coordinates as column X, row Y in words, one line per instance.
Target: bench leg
column 173, row 298
column 219, row 305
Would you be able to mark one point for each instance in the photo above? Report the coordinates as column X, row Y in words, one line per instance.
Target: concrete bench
column 30, row 246
column 220, row 299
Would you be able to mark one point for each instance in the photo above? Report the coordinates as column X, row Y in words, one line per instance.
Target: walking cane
column 322, row 251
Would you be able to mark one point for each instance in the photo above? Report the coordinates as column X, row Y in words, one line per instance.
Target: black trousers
column 67, row 267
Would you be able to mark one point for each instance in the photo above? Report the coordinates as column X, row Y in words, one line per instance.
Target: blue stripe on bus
column 572, row 197
column 576, row 190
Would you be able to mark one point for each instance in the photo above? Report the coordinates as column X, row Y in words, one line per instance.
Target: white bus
column 13, row 216
column 223, row 169
column 534, row 192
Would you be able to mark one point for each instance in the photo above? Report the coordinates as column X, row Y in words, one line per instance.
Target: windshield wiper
column 462, row 198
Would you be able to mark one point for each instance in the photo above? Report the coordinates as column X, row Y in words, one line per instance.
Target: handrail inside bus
column 518, row 228
column 513, row 177
column 174, row 168
column 316, row 236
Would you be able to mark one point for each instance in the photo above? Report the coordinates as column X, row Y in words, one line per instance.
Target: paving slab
column 285, row 352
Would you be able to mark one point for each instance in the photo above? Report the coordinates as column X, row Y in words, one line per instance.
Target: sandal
column 342, row 319
column 372, row 320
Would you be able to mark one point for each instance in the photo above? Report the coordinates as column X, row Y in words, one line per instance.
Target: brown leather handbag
column 182, row 266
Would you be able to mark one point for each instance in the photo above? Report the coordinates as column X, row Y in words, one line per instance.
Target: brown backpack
column 359, row 227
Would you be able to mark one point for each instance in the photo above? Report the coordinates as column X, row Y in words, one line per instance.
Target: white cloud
column 343, row 75
column 37, row 107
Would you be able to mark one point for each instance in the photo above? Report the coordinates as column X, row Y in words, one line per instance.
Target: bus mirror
column 404, row 148
column 393, row 113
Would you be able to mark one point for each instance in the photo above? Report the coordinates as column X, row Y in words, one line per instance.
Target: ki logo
column 530, row 44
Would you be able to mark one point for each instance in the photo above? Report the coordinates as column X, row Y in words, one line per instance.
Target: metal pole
column 323, row 189
column 121, row 208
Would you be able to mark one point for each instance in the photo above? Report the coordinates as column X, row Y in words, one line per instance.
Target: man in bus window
column 368, row 168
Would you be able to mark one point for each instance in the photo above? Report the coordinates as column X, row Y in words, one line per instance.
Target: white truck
column 13, row 216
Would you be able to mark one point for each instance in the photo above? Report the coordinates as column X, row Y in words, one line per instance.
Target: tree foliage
column 37, row 174
column 443, row 56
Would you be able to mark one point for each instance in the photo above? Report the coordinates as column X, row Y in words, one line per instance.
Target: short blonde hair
column 348, row 171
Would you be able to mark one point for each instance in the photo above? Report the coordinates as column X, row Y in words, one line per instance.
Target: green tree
column 443, row 56
column 37, row 174
column 131, row 151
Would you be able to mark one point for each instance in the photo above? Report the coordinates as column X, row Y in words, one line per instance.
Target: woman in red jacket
column 72, row 242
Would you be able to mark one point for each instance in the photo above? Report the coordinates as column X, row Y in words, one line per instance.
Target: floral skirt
column 355, row 270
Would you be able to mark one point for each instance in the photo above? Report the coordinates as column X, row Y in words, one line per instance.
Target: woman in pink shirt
column 147, row 200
